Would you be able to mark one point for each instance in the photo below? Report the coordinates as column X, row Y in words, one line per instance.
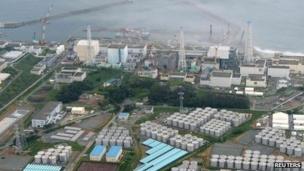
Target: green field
column 23, row 81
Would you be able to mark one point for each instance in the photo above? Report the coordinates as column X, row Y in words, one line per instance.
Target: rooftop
column 221, row 74
column 38, row 167
column 44, row 112
column 86, row 43
column 288, row 62
column 99, row 149
column 282, row 67
column 114, row 151
column 256, row 77
column 118, row 46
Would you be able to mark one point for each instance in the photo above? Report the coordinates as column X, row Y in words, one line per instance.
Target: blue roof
column 124, row 114
column 38, row 167
column 114, row 151
column 159, row 156
column 99, row 149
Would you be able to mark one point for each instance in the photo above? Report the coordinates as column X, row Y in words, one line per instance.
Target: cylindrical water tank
column 214, row 162
column 238, row 164
column 254, row 165
column 230, row 163
column 63, row 157
column 222, row 163
column 290, row 150
column 53, row 160
column 246, row 165
column 45, row 159
column 37, row 159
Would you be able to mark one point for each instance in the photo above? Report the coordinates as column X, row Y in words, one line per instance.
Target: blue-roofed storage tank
column 114, row 153
column 97, row 153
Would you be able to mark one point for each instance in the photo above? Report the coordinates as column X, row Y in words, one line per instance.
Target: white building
column 60, row 49
column 38, row 69
column 279, row 71
column 298, row 122
column 78, row 110
column 280, row 120
column 138, row 49
column 47, row 115
column 220, row 52
column 295, row 65
column 86, row 52
column 97, row 153
column 3, row 65
column 218, row 79
column 117, row 54
column 148, row 73
column 283, row 83
column 4, row 76
column 70, row 74
column 256, row 80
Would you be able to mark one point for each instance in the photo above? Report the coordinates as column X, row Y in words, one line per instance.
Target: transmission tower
column 182, row 54
column 248, row 51
column 181, row 101
column 20, row 142
column 45, row 21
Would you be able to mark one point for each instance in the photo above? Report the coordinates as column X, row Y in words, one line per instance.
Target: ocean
column 277, row 24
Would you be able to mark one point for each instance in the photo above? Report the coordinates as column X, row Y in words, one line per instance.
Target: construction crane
column 44, row 22
column 182, row 54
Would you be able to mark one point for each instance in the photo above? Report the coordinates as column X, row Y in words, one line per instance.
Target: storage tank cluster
column 187, row 142
column 193, row 120
column 53, row 156
column 187, row 166
column 119, row 136
column 215, row 127
column 275, row 137
column 235, row 118
column 251, row 160
column 157, row 131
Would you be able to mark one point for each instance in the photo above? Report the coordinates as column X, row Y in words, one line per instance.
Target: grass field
column 23, row 81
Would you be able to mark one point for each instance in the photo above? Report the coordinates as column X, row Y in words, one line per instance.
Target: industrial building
column 38, row 69
column 97, row 153
column 159, row 156
column 225, row 56
column 285, row 121
column 3, row 65
column 148, row 73
column 47, row 115
column 123, row 116
column 12, row 56
column 69, row 75
column 4, row 76
column 117, row 54
column 68, row 134
column 78, row 111
column 167, row 61
column 259, row 68
column 138, row 49
column 256, row 80
column 39, row 167
column 278, row 71
column 295, row 65
column 218, row 79
column 87, row 50
column 114, row 154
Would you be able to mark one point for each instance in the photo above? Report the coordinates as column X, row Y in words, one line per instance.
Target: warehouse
column 114, row 154
column 256, row 80
column 258, row 68
column 97, row 153
column 278, row 71
column 46, row 115
column 218, row 79
column 78, row 110
column 280, row 120
column 38, row 167
column 117, row 54
column 123, row 116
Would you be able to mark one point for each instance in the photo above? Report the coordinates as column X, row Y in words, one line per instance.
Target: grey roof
column 221, row 74
column 44, row 112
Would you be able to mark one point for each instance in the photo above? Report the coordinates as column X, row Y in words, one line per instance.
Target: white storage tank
column 45, row 159
column 63, row 157
column 37, row 159
column 214, row 162
column 53, row 160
